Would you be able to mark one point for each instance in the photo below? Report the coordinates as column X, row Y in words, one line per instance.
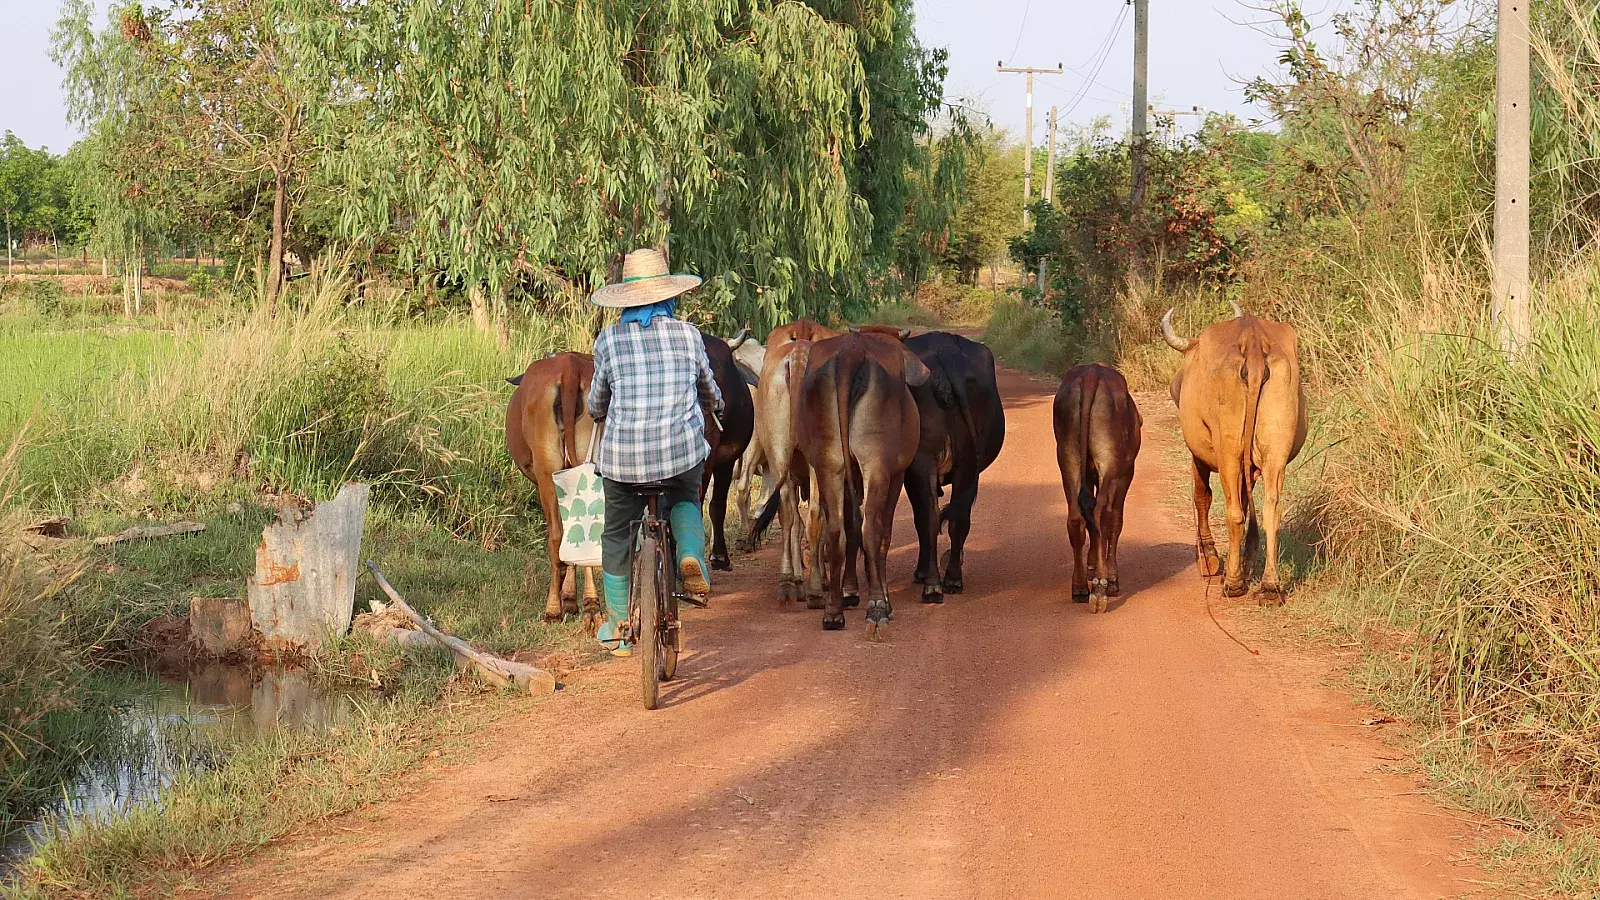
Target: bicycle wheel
column 671, row 625
column 647, row 641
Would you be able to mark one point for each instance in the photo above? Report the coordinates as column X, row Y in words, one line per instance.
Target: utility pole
column 1049, row 197
column 1141, row 85
column 1027, row 156
column 1141, row 106
column 1172, row 115
column 1512, row 319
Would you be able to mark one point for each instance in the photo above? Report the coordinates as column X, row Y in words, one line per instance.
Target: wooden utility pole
column 1172, row 115
column 1512, row 319
column 1027, row 156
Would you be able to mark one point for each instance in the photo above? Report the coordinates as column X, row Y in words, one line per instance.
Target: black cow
column 963, row 428
column 727, row 443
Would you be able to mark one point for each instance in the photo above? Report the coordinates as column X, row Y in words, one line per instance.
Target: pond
column 169, row 725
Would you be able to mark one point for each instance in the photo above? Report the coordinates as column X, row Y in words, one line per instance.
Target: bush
column 201, row 283
column 44, row 296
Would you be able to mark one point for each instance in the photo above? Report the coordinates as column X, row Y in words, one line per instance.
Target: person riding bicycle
column 652, row 383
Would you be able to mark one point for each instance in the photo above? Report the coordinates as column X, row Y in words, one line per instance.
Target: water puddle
column 170, row 725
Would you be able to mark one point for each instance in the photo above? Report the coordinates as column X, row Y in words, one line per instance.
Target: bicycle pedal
column 696, row 601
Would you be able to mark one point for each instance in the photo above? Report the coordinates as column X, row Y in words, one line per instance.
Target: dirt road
column 1006, row 744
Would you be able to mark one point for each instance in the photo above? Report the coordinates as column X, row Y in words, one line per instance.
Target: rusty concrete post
column 304, row 586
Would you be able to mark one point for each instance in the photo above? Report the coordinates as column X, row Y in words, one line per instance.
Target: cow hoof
column 815, row 601
column 591, row 624
column 1270, row 595
column 1080, row 596
column 555, row 614
column 851, row 601
column 788, row 590
column 1210, row 564
column 1098, row 603
column 932, row 595
column 953, row 585
column 569, row 606
column 1112, row 588
column 832, row 622
column 1235, row 589
column 721, row 563
column 877, row 632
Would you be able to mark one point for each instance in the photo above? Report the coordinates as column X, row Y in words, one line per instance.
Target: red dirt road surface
column 1007, row 744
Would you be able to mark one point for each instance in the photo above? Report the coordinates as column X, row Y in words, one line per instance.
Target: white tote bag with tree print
column 581, row 496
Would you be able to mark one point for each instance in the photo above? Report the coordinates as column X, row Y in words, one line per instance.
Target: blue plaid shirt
column 649, row 386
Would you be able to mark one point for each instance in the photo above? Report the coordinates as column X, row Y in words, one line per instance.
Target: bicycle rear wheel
column 647, row 642
column 671, row 628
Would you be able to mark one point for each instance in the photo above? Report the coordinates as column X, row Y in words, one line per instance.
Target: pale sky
column 1197, row 56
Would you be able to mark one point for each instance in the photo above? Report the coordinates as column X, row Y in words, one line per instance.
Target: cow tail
column 1091, row 384
column 1254, row 364
column 842, row 400
column 569, row 389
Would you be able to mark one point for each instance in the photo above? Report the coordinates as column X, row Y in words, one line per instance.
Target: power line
column 1104, row 54
column 1023, row 26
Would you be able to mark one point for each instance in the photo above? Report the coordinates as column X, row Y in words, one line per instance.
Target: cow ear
column 917, row 374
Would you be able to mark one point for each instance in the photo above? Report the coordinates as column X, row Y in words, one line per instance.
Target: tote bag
column 582, row 498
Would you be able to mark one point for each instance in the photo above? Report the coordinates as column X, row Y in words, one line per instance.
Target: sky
column 1198, row 56
column 1200, row 53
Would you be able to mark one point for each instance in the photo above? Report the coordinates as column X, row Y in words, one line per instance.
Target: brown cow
column 777, row 399
column 548, row 429
column 1098, row 430
column 858, row 427
column 1243, row 413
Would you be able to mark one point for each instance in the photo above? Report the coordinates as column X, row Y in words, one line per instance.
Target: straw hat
column 645, row 280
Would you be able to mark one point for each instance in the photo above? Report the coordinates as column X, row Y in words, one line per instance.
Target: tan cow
column 1098, row 431
column 1243, row 413
column 858, row 427
column 548, row 429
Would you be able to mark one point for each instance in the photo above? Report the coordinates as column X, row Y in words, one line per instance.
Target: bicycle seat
column 651, row 488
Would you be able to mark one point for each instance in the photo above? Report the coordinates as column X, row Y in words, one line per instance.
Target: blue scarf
column 644, row 315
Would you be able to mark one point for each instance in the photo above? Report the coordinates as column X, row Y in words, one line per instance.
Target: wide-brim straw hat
column 645, row 280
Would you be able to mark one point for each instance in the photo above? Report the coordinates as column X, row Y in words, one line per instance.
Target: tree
column 523, row 146
column 24, row 192
column 986, row 217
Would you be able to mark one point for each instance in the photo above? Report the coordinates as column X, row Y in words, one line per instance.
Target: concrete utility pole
column 1198, row 112
column 1027, row 156
column 1049, row 197
column 1512, row 318
column 1141, row 85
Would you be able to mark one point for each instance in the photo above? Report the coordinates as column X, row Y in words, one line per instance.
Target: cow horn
column 1173, row 339
column 1237, row 312
column 739, row 339
column 905, row 333
column 855, row 329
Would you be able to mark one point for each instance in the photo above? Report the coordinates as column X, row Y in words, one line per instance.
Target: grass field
column 214, row 419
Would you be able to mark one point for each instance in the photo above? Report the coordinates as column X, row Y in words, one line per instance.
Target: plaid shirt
column 649, row 386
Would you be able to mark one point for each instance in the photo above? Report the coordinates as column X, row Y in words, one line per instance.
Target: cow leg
column 1205, row 545
column 1235, row 493
column 1077, row 528
column 590, row 617
column 789, row 565
column 1108, row 531
column 561, row 592
column 920, row 490
column 851, row 597
column 835, row 512
column 1271, row 587
column 816, row 534
column 958, row 516
column 876, row 527
column 719, row 515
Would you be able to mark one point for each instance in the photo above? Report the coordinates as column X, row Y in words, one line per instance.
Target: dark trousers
column 624, row 507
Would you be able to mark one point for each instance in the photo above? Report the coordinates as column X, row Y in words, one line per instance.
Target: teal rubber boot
column 616, row 589
column 689, row 529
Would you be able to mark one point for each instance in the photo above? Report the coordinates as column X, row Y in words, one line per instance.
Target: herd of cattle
column 844, row 421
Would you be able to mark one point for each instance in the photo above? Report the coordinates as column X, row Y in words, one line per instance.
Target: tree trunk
column 8, row 244
column 274, row 271
column 480, row 309
column 105, row 265
column 127, row 291
column 138, row 279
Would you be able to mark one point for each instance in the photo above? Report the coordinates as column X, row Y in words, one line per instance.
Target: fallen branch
column 145, row 532
column 55, row 526
column 502, row 672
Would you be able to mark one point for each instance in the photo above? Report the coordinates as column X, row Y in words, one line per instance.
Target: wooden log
column 497, row 671
column 145, row 532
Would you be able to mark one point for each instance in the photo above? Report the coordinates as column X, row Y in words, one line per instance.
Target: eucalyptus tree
column 521, row 145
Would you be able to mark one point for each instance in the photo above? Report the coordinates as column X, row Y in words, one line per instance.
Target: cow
column 858, row 427
column 1098, row 431
column 962, row 429
column 750, row 356
column 548, row 429
column 728, row 442
column 1243, row 413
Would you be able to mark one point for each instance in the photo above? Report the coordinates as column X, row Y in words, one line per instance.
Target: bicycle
column 653, row 596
